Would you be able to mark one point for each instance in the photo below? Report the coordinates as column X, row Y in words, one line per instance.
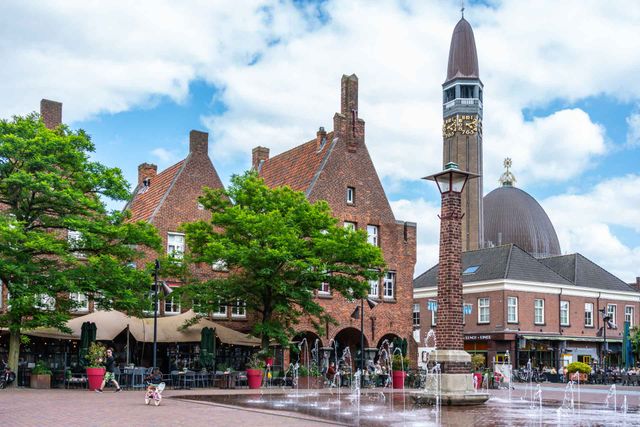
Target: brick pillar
column 450, row 332
column 349, row 127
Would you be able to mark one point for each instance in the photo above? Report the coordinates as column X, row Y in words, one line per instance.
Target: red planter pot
column 254, row 378
column 398, row 379
column 478, row 377
column 95, row 377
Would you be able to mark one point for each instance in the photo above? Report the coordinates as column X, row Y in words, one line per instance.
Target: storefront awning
column 109, row 324
column 567, row 338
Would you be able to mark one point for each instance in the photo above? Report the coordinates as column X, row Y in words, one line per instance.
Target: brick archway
column 350, row 338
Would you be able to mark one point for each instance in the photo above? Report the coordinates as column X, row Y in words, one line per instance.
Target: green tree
column 56, row 235
column 278, row 248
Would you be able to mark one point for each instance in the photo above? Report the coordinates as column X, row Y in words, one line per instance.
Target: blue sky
column 561, row 94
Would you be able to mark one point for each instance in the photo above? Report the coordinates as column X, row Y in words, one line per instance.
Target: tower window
column 450, row 94
column 466, row 91
column 351, row 195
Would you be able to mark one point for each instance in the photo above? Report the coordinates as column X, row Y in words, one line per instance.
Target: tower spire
column 462, row 8
column 507, row 179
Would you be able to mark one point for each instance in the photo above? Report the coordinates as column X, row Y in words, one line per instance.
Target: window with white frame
column 239, row 309
column 628, row 315
column 80, row 300
column 374, row 285
column 372, row 234
column 197, row 307
column 416, row 315
column 512, row 309
column 175, row 245
column 538, row 312
column 564, row 313
column 46, row 302
column 152, row 298
column 221, row 311
column 325, row 288
column 219, row 265
column 351, row 195
column 389, row 285
column 484, row 311
column 611, row 312
column 588, row 314
column 171, row 305
column 350, row 225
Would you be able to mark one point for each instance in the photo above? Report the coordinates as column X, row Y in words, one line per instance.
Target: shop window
column 584, row 358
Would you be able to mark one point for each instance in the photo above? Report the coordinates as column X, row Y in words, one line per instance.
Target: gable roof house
column 336, row 166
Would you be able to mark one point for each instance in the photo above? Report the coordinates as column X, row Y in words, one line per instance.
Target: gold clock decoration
column 465, row 124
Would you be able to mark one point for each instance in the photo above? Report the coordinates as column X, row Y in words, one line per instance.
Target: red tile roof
column 144, row 204
column 296, row 167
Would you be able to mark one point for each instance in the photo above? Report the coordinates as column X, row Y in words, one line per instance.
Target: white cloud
column 278, row 68
column 583, row 223
column 633, row 132
column 165, row 156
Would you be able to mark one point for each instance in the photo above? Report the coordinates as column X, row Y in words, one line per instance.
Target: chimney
column 636, row 285
column 349, row 95
column 258, row 156
column 51, row 113
column 198, row 142
column 321, row 138
column 146, row 171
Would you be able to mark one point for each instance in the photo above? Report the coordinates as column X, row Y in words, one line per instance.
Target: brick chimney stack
column 146, row 170
column 258, row 156
column 51, row 113
column 321, row 138
column 347, row 125
column 198, row 142
column 636, row 285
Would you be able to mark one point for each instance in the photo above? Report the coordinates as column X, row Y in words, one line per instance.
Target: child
column 153, row 380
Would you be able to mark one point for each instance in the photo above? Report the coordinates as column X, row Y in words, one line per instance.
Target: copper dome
column 463, row 57
column 513, row 216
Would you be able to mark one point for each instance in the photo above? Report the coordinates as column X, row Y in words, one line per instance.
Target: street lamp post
column 166, row 290
column 606, row 320
column 455, row 363
column 359, row 312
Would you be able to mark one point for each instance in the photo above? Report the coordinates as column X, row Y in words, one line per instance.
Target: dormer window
column 351, row 195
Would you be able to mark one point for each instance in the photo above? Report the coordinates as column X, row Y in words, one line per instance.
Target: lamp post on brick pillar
column 455, row 363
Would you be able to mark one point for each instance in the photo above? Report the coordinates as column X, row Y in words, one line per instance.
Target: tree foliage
column 56, row 235
column 278, row 248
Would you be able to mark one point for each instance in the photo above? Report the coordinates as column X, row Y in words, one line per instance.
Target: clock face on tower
column 465, row 124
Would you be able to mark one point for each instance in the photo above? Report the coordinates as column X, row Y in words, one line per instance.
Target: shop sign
column 477, row 337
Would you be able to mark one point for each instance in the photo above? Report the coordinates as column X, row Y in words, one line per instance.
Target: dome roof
column 463, row 57
column 513, row 216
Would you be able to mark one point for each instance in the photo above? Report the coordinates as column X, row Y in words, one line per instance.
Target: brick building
column 546, row 310
column 336, row 167
column 169, row 199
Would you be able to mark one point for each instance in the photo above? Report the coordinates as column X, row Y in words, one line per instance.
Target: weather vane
column 462, row 7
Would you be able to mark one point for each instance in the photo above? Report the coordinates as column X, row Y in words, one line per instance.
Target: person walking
column 109, row 364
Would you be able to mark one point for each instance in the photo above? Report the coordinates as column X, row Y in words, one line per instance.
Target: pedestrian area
column 29, row 407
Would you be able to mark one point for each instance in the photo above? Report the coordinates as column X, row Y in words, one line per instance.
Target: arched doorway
column 306, row 348
column 386, row 347
column 349, row 338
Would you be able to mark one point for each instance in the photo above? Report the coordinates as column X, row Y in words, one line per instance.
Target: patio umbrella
column 84, row 344
column 207, row 347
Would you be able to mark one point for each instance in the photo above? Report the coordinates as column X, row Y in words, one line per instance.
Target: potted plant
column 399, row 366
column 255, row 365
column 268, row 356
column 477, row 364
column 578, row 371
column 40, row 376
column 309, row 377
column 95, row 369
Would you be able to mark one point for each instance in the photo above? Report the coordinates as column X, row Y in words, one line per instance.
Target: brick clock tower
column 462, row 127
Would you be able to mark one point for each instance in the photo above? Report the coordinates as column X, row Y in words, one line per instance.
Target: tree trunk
column 14, row 351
